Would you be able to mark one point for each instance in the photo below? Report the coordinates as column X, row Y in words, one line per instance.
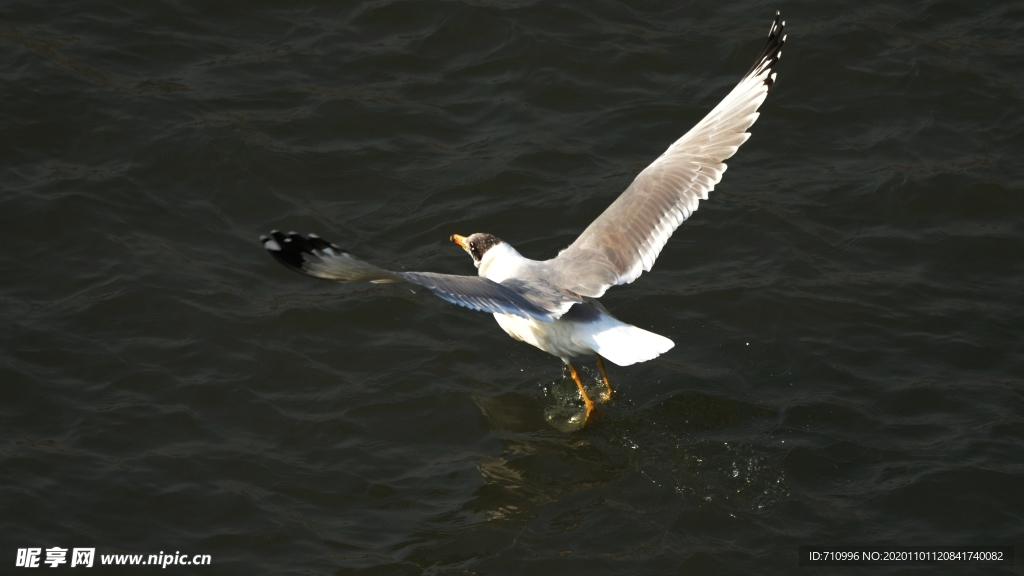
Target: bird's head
column 476, row 244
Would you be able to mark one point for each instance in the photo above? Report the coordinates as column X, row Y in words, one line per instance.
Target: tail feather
column 625, row 344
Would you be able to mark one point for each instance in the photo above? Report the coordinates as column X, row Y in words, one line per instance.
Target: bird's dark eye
column 474, row 249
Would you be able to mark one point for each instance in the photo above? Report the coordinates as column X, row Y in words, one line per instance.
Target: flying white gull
column 552, row 304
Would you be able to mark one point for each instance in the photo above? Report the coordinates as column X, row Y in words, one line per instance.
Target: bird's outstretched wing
column 314, row 256
column 625, row 240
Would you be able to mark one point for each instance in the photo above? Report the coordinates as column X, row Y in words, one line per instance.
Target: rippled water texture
column 846, row 307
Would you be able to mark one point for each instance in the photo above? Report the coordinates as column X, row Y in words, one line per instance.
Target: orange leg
column 579, row 384
column 604, row 376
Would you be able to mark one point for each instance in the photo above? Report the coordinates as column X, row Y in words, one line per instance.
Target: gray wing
column 314, row 256
column 625, row 240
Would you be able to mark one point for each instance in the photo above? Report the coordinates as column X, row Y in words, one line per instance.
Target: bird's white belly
column 560, row 338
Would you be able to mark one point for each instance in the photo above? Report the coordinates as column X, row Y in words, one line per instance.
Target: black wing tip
column 290, row 249
column 769, row 56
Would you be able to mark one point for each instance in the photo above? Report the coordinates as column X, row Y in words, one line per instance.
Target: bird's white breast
column 559, row 338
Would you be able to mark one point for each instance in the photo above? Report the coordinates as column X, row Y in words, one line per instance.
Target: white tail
column 624, row 344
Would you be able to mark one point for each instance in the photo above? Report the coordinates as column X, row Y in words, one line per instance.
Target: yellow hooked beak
column 460, row 240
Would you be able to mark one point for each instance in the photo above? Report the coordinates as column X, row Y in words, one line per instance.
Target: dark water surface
column 847, row 306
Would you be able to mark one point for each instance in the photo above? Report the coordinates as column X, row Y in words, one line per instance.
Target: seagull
column 552, row 304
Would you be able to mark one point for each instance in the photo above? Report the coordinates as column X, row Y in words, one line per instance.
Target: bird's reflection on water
column 684, row 446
